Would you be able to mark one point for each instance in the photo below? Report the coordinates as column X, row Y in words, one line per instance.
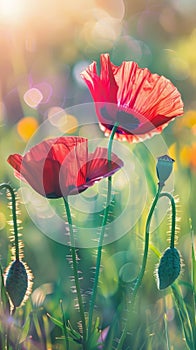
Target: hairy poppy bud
column 164, row 168
column 169, row 268
column 16, row 282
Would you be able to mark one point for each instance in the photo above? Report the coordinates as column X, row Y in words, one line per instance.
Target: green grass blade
column 47, row 332
column 3, row 296
column 74, row 335
column 166, row 326
column 25, row 331
column 193, row 280
column 184, row 316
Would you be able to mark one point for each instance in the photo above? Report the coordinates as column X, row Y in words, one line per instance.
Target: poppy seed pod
column 16, row 282
column 169, row 268
column 164, row 168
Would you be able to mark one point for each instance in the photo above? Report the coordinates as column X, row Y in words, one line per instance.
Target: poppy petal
column 63, row 146
column 15, row 161
column 33, row 172
column 91, row 77
column 98, row 166
column 73, row 169
column 107, row 78
column 51, row 179
column 142, row 102
column 60, row 167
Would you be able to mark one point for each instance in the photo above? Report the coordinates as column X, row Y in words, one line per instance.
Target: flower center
column 128, row 121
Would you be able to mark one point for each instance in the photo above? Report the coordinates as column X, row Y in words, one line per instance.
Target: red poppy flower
column 62, row 166
column 143, row 103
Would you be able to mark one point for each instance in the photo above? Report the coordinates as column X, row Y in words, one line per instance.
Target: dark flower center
column 51, row 195
column 127, row 121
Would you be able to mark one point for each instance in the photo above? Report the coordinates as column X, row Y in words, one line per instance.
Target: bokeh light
column 185, row 7
column 66, row 123
column 116, row 8
column 188, row 156
column 33, row 97
column 43, row 93
column 184, row 51
column 78, row 68
column 131, row 49
column 26, row 127
column 179, row 68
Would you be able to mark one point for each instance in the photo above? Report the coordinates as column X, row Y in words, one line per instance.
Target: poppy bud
column 169, row 268
column 16, row 282
column 164, row 168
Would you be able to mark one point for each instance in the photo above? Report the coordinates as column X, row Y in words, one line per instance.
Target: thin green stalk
column 64, row 326
column 101, row 237
column 193, row 279
column 147, row 233
column 145, row 255
column 143, row 267
column 14, row 216
column 184, row 317
column 173, row 225
column 75, row 270
column 166, row 326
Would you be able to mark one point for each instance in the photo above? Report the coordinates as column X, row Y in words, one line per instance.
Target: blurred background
column 44, row 45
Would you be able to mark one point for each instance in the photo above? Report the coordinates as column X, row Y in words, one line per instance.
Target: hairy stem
column 173, row 225
column 101, row 237
column 75, row 270
column 143, row 267
column 14, row 216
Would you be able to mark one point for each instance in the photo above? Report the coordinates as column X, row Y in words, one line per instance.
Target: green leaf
column 71, row 332
column 155, row 250
column 3, row 297
column 93, row 339
column 193, row 267
column 55, row 321
column 37, row 325
column 25, row 331
column 47, row 331
column 184, row 316
column 193, row 280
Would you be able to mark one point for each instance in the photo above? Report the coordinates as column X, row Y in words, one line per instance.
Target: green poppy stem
column 173, row 224
column 75, row 270
column 143, row 267
column 101, row 237
column 14, row 216
column 146, row 246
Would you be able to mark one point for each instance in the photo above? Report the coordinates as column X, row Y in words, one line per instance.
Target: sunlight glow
column 12, row 10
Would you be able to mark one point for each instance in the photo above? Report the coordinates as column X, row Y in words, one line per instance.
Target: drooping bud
column 16, row 282
column 169, row 268
column 164, row 168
